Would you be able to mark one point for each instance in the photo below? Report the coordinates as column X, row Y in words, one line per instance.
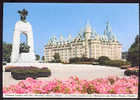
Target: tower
column 87, row 36
column 87, row 31
column 108, row 32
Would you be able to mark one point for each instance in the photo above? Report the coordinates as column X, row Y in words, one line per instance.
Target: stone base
column 36, row 64
column 26, row 58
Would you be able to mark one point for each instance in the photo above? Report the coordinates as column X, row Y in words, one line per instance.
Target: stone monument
column 22, row 27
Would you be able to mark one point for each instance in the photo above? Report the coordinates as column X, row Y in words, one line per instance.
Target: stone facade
column 87, row 43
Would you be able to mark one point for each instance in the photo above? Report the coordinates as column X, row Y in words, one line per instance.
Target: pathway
column 64, row 71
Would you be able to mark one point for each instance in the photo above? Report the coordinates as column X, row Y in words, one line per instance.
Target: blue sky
column 48, row 19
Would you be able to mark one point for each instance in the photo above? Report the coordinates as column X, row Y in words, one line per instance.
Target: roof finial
column 88, row 27
column 108, row 28
column 88, row 23
column 107, row 22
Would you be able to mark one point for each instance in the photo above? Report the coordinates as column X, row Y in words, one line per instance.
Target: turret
column 69, row 38
column 108, row 32
column 87, row 31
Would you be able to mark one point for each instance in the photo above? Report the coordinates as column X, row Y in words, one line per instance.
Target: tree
column 7, row 49
column 37, row 57
column 84, row 58
column 103, row 59
column 56, row 57
column 42, row 58
column 124, row 55
column 133, row 52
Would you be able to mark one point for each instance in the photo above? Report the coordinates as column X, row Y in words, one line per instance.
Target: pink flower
column 108, row 85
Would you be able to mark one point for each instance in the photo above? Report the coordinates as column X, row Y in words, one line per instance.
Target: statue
column 23, row 14
column 24, row 48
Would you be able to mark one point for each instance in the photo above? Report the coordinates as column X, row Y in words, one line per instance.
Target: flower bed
column 21, row 73
column 132, row 71
column 109, row 85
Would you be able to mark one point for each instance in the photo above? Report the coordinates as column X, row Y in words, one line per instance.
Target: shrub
column 56, row 58
column 117, row 63
column 55, row 61
column 80, row 60
column 131, row 72
column 85, row 62
column 45, row 72
column 23, row 73
column 103, row 60
column 75, row 60
column 91, row 59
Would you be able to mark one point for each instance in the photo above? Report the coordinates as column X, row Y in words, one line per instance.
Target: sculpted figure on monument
column 23, row 14
column 24, row 48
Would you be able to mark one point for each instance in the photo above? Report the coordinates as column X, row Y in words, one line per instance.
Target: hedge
column 23, row 73
column 78, row 60
column 115, row 63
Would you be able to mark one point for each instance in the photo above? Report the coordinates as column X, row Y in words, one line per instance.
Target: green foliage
column 56, row 58
column 7, row 49
column 117, row 63
column 24, row 48
column 24, row 72
column 81, row 60
column 133, row 52
column 131, row 72
column 103, row 60
column 124, row 55
column 74, row 60
column 42, row 58
column 37, row 57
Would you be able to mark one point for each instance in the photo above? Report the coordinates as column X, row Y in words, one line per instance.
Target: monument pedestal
column 16, row 57
column 34, row 64
column 26, row 58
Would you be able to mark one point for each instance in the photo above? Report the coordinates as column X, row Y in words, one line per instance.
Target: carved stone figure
column 23, row 14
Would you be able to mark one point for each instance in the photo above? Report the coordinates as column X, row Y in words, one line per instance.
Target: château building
column 87, row 43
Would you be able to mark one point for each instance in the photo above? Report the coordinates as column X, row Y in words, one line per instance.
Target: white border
column 70, row 95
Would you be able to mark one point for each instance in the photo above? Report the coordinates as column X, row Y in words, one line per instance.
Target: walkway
column 64, row 71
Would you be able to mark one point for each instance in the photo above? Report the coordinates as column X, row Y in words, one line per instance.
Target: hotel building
column 87, row 43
